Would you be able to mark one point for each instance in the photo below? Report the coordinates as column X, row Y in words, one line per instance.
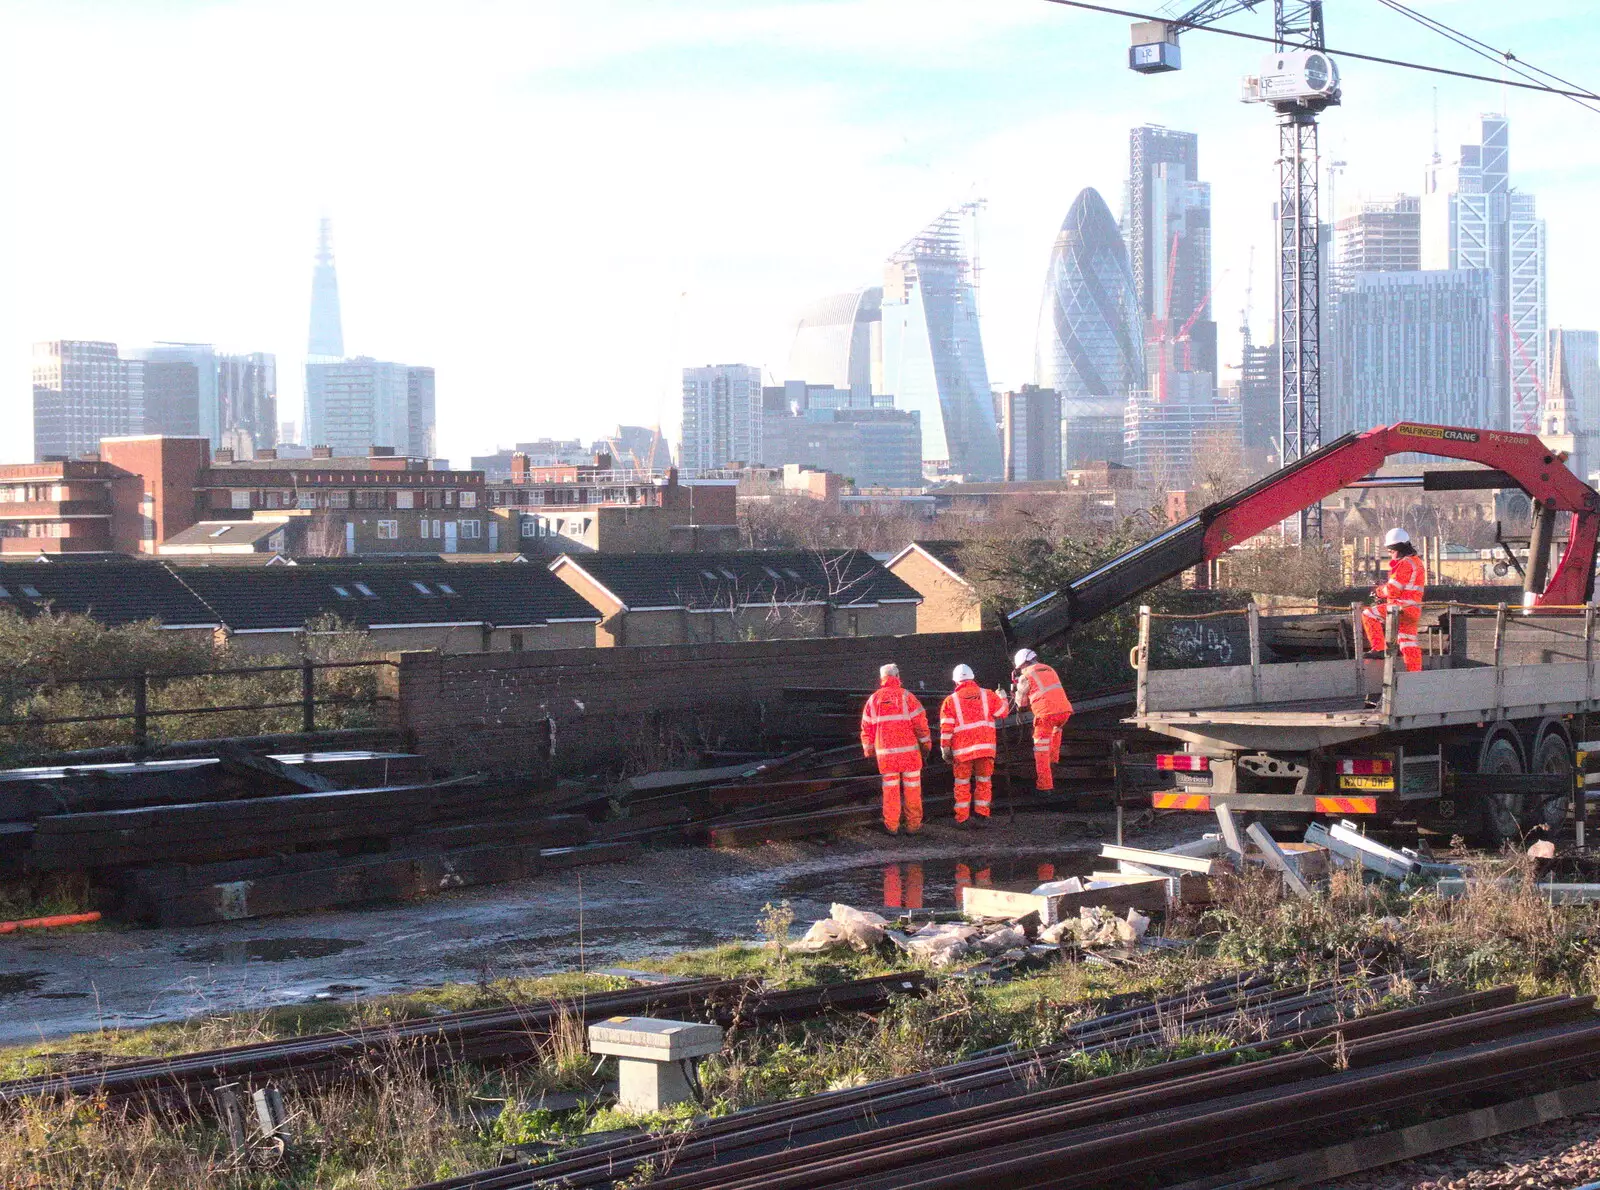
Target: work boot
column 981, row 821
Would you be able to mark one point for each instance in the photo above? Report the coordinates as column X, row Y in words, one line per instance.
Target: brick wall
column 644, row 707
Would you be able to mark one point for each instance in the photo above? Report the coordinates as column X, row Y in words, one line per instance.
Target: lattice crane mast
column 1297, row 80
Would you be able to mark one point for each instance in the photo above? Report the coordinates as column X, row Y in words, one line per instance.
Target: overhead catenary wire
column 1483, row 49
column 1568, row 93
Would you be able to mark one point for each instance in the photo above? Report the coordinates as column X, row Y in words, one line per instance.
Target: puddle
column 600, row 945
column 267, row 950
column 22, row 981
column 932, row 883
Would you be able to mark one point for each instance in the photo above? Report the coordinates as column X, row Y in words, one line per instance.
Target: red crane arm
column 1522, row 456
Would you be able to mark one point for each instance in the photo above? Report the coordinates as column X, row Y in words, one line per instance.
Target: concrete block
column 652, row 1057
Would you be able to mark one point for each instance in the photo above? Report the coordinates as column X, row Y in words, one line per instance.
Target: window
column 306, row 500
column 472, row 528
column 728, row 574
column 366, row 498
column 338, row 499
column 446, row 588
column 710, row 575
column 516, row 642
column 423, row 524
column 239, row 499
column 365, row 590
column 449, row 499
column 221, row 531
column 404, row 499
column 530, row 527
column 388, row 530
column 469, row 499
column 341, row 592
column 422, row 587
column 4, row 594
column 772, row 572
column 31, row 592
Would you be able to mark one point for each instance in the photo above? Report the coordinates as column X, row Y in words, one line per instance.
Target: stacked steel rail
column 1291, row 1019
column 485, row 1035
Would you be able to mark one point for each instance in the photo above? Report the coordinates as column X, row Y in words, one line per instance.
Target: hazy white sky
column 559, row 203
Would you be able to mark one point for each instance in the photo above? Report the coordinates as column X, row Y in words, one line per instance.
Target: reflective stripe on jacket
column 966, row 721
column 894, row 727
column 1039, row 689
column 1407, row 579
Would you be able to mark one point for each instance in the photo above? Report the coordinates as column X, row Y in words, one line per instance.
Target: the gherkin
column 1088, row 346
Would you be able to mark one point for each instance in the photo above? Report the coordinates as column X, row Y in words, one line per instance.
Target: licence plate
column 1383, row 784
column 1194, row 780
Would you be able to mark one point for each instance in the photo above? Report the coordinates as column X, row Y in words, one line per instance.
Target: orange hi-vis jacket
column 1407, row 578
column 966, row 721
column 1039, row 689
column 894, row 728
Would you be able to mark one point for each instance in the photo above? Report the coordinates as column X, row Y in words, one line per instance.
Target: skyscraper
column 183, row 380
column 933, row 351
column 420, row 415
column 839, row 342
column 1089, row 347
column 83, row 392
column 722, row 416
column 326, row 337
column 1382, row 236
column 1168, row 229
column 1474, row 219
column 1030, row 427
column 1412, row 347
column 355, row 404
column 247, row 396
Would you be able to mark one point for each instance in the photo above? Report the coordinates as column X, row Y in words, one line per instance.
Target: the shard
column 326, row 338
column 1088, row 346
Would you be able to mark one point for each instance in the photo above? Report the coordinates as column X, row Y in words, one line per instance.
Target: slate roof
column 114, row 593
column 844, row 578
column 280, row 598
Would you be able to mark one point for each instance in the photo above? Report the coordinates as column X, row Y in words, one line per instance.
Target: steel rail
column 783, row 1126
column 477, row 1035
column 1216, row 1127
column 1045, row 1112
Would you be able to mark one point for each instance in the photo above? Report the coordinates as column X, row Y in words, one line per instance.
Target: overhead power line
column 1504, row 58
column 1568, row 93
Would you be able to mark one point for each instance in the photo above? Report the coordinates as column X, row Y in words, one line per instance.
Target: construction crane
column 1297, row 80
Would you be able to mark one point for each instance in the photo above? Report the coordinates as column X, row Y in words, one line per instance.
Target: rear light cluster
column 1366, row 768
column 1182, row 762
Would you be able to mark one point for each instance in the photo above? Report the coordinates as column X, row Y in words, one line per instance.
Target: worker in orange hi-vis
column 967, row 741
column 894, row 728
column 1407, row 578
column 1038, row 688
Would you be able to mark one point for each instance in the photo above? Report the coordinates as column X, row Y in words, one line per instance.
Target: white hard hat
column 1023, row 657
column 961, row 673
column 1396, row 537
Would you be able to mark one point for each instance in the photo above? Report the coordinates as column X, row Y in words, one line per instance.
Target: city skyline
column 968, row 92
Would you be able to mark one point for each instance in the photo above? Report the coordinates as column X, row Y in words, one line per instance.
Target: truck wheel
column 1552, row 754
column 1497, row 819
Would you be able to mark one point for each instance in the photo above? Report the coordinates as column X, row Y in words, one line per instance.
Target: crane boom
column 1521, row 459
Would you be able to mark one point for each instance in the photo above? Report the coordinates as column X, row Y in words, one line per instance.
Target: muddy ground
column 669, row 900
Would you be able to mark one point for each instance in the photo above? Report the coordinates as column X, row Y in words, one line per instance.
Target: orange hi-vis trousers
column 980, row 768
column 911, row 783
column 1372, row 619
column 1047, row 747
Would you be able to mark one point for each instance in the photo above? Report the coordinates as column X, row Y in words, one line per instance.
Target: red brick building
column 67, row 506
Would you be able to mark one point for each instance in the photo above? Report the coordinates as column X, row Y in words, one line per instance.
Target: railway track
column 485, row 1035
column 994, row 1086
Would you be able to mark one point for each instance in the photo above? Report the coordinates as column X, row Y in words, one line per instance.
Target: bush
column 47, row 663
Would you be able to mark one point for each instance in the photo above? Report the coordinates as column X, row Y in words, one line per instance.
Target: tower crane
column 1297, row 80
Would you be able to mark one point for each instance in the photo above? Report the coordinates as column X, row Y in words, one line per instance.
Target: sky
column 558, row 204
